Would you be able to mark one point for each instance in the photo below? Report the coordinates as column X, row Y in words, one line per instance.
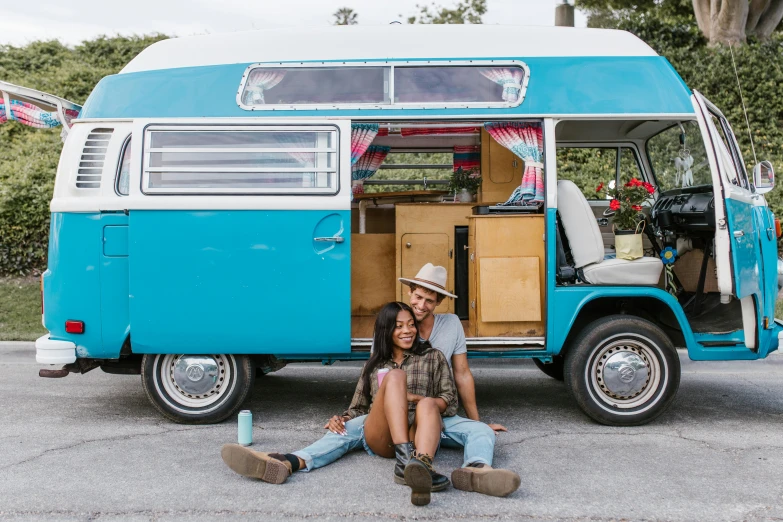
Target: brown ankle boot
column 422, row 479
column 486, row 480
column 255, row 464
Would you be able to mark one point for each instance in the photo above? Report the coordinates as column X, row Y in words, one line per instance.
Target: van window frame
column 121, row 161
column 248, row 127
column 391, row 105
column 617, row 146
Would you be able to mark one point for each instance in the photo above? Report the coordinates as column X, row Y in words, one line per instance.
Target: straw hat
column 431, row 277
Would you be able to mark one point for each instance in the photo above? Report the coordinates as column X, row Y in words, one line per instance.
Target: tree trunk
column 727, row 20
column 764, row 17
column 701, row 8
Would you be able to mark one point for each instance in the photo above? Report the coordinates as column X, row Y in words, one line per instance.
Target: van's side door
column 738, row 258
column 239, row 237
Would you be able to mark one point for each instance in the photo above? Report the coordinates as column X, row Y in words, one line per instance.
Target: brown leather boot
column 486, row 480
column 256, row 464
column 422, row 479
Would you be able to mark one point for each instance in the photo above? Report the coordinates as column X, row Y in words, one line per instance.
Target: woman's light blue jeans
column 477, row 439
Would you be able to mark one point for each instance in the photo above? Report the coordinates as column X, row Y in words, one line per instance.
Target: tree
column 345, row 16
column 720, row 21
column 465, row 12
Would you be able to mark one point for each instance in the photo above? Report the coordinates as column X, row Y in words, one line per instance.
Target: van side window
column 123, row 170
column 244, row 160
column 588, row 167
column 730, row 152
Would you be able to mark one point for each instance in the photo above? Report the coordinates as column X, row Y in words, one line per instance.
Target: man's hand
column 336, row 425
column 497, row 427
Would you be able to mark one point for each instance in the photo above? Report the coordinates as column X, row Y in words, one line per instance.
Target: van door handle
column 738, row 234
column 336, row 239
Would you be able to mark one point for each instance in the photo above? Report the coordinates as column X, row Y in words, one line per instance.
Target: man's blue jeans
column 477, row 439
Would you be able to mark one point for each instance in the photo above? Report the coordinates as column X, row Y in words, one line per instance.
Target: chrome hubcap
column 625, row 373
column 196, row 381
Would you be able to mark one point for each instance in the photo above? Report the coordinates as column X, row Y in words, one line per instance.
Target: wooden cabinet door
column 501, row 170
column 418, row 250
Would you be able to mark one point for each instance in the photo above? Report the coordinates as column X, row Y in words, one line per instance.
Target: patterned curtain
column 366, row 166
column 467, row 158
column 260, row 80
column 510, row 79
column 32, row 116
column 362, row 135
column 526, row 140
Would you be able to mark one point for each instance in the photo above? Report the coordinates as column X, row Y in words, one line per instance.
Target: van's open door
column 36, row 108
column 737, row 255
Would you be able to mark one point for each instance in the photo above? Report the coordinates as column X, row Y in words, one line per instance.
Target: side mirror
column 763, row 177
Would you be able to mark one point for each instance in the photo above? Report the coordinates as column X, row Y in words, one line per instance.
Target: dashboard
column 694, row 212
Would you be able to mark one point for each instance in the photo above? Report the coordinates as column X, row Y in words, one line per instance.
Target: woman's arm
column 360, row 404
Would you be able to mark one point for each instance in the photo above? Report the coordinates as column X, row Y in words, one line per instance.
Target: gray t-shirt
column 448, row 336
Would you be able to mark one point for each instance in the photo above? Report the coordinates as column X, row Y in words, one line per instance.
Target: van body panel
column 115, row 316
column 558, row 86
column 745, row 254
column 72, row 282
column 239, row 282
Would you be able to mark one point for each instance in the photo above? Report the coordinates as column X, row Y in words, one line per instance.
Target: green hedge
column 28, row 157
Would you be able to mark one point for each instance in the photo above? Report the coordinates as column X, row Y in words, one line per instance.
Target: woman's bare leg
column 427, row 427
column 387, row 423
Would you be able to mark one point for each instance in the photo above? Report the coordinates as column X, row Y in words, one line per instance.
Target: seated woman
column 403, row 410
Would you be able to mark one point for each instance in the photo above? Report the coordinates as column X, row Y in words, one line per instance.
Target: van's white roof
column 383, row 42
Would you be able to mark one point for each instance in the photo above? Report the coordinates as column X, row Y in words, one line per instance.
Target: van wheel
column 622, row 370
column 553, row 369
column 197, row 389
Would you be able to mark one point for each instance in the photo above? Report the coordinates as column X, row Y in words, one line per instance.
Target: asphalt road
column 91, row 447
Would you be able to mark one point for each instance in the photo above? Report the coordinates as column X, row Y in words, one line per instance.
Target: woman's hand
column 412, row 397
column 336, row 425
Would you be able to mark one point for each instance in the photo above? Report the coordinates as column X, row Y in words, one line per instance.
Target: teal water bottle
column 245, row 428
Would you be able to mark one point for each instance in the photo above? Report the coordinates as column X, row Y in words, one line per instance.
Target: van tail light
column 76, row 327
column 778, row 231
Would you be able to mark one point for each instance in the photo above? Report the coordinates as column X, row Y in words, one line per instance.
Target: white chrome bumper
column 48, row 351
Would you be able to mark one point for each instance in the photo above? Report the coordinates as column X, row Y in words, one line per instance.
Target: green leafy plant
column 627, row 202
column 465, row 179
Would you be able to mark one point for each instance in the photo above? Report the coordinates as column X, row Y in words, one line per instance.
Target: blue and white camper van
column 215, row 213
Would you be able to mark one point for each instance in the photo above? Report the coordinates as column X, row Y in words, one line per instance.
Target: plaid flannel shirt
column 428, row 374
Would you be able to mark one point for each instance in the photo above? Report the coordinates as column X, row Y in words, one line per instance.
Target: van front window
column 678, row 158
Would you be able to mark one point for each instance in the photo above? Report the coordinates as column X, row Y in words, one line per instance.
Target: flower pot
column 628, row 244
column 465, row 196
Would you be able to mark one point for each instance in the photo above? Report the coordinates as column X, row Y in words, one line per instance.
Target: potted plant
column 465, row 183
column 628, row 219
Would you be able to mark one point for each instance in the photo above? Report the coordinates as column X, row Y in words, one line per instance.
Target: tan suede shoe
column 486, row 480
column 255, row 464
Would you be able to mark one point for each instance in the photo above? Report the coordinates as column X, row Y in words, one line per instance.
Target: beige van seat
column 587, row 245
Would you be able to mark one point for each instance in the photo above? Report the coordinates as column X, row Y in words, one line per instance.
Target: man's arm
column 466, row 387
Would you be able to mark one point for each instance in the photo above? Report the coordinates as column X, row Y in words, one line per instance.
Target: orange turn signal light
column 778, row 231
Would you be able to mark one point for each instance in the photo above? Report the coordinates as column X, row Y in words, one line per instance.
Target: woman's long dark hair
column 382, row 342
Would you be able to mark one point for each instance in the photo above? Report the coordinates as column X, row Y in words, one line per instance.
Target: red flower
column 650, row 189
column 636, row 207
column 634, row 183
column 600, row 186
column 614, row 204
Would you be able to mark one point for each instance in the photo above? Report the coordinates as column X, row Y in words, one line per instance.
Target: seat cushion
column 642, row 271
column 581, row 228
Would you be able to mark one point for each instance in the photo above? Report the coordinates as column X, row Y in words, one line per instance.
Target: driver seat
column 587, row 245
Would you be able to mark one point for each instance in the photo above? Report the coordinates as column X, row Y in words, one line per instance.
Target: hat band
column 429, row 283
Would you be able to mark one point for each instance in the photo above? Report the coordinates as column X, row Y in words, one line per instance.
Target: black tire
column 622, row 370
column 197, row 389
column 553, row 369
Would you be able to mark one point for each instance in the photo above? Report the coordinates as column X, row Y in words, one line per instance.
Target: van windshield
column 678, row 158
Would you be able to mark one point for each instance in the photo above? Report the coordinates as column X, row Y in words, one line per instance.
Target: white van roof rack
column 34, row 105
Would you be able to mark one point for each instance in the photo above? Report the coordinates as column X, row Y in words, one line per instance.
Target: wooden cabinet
column 425, row 234
column 507, row 276
column 501, row 170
